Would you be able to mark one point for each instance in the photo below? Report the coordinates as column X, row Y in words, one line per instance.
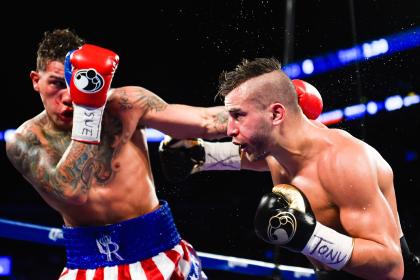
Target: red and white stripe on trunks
column 176, row 263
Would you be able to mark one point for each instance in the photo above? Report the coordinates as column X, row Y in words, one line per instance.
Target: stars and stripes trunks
column 144, row 248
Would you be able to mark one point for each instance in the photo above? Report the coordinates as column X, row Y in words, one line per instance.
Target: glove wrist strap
column 221, row 156
column 329, row 247
column 87, row 124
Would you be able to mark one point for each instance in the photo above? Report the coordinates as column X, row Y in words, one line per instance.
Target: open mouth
column 66, row 115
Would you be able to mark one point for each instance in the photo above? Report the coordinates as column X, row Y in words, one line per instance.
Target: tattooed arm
column 136, row 105
column 56, row 176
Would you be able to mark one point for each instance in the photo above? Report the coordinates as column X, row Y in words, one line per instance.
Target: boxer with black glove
column 182, row 157
column 285, row 218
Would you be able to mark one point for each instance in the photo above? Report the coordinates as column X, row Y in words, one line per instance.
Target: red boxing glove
column 92, row 70
column 309, row 99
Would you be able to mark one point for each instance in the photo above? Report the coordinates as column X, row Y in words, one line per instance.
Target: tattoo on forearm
column 82, row 166
column 220, row 122
column 87, row 171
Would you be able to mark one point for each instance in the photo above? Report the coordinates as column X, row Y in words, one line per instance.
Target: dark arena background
column 361, row 55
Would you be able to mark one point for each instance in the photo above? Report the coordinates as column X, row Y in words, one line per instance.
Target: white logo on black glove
column 281, row 228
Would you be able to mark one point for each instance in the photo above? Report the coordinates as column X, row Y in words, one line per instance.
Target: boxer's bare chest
column 307, row 180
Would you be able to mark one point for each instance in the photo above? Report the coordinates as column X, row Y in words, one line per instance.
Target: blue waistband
column 126, row 242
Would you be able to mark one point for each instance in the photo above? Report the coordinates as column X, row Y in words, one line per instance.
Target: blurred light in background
column 411, row 155
column 393, row 103
column 356, row 111
column 333, row 60
column 5, row 266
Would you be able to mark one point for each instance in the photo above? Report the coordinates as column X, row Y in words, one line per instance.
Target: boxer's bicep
column 363, row 210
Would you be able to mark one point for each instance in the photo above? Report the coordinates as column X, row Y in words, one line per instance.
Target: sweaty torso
column 323, row 197
column 307, row 178
column 121, row 181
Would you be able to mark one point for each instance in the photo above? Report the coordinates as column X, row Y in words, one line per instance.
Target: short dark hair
column 55, row 45
column 244, row 71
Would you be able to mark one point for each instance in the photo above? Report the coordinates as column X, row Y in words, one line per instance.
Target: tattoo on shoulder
column 23, row 152
column 155, row 103
column 148, row 101
column 37, row 153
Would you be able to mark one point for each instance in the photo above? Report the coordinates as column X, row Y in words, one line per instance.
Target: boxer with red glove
column 88, row 72
column 309, row 99
column 182, row 157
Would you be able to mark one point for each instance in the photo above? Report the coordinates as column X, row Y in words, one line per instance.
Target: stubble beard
column 260, row 145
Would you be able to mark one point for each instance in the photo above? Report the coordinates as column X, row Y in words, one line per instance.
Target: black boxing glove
column 285, row 218
column 180, row 158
